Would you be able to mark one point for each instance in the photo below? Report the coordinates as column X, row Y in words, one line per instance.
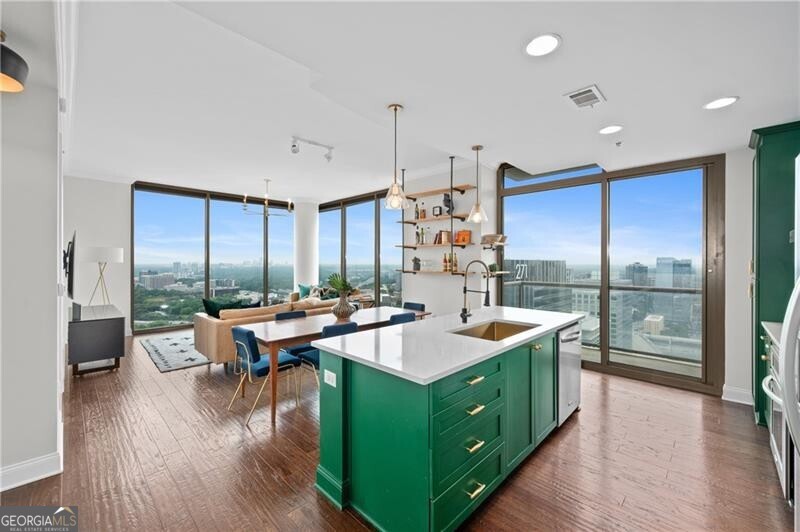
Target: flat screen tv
column 69, row 265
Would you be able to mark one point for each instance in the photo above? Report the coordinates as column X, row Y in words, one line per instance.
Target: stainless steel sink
column 495, row 330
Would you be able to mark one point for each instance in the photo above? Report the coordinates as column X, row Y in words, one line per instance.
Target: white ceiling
column 208, row 94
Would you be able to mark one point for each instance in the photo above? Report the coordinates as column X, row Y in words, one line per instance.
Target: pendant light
column 477, row 214
column 13, row 68
column 395, row 197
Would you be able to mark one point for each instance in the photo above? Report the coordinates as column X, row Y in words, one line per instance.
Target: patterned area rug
column 174, row 351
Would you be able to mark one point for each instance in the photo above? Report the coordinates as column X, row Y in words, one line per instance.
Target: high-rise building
column 176, row 268
column 157, row 281
column 664, row 271
column 682, row 274
column 545, row 271
column 637, row 274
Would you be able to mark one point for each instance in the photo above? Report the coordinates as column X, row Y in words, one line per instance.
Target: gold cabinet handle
column 477, row 409
column 477, row 445
column 475, row 380
column 537, row 347
column 764, row 357
column 477, row 491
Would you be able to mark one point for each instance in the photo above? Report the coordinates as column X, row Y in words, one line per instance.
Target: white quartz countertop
column 425, row 351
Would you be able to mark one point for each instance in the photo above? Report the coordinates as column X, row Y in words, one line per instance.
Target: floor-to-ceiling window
column 360, row 237
column 280, row 243
column 236, row 253
column 360, row 246
column 189, row 244
column 391, row 256
column 330, row 243
column 638, row 252
column 168, row 259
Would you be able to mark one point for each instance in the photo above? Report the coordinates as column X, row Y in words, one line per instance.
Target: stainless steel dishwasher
column 569, row 371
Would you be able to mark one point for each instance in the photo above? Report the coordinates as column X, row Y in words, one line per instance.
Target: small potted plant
column 343, row 309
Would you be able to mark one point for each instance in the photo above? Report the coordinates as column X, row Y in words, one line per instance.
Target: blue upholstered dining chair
column 405, row 317
column 419, row 307
column 250, row 364
column 310, row 359
column 293, row 350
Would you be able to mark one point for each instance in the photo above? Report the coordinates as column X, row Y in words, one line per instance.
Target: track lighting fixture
column 296, row 141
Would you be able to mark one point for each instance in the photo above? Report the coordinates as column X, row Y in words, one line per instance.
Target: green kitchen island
column 420, row 422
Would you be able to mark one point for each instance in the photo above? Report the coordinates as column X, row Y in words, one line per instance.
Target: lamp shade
column 13, row 70
column 102, row 254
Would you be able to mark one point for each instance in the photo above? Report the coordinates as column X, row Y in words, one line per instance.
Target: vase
column 343, row 309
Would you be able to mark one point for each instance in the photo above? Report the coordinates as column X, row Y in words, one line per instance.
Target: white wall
column 442, row 294
column 306, row 243
column 100, row 213
column 738, row 252
column 29, row 258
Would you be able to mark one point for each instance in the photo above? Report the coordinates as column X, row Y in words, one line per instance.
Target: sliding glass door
column 639, row 253
column 656, row 264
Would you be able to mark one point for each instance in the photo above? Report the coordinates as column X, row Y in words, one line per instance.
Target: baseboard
column 30, row 470
column 737, row 395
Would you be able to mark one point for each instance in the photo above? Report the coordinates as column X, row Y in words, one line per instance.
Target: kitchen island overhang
column 420, row 422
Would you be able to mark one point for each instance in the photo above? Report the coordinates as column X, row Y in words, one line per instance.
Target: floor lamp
column 102, row 256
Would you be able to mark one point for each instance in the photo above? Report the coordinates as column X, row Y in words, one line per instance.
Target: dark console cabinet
column 99, row 334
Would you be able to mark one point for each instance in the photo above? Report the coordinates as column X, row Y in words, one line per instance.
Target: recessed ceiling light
column 543, row 45
column 719, row 103
column 610, row 130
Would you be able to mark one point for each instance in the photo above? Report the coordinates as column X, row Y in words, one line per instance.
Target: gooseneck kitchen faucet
column 464, row 313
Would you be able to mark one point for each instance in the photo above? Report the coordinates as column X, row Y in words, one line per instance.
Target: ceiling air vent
column 586, row 97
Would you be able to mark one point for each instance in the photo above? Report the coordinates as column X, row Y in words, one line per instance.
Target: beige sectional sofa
column 212, row 336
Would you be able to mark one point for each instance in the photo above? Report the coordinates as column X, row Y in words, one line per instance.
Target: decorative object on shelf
column 13, row 68
column 454, row 262
column 493, row 241
column 423, row 213
column 463, row 237
column 102, row 256
column 415, row 264
column 416, row 234
column 448, row 203
column 395, row 197
column 437, row 210
column 343, row 309
column 245, row 210
column 477, row 214
column 416, row 211
column 493, row 268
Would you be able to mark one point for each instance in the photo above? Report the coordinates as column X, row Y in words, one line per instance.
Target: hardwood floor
column 152, row 451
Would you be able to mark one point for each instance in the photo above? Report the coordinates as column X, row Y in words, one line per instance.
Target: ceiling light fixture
column 295, row 148
column 719, row 103
column 543, row 45
column 395, row 197
column 289, row 209
column 13, row 68
column 610, row 130
column 477, row 214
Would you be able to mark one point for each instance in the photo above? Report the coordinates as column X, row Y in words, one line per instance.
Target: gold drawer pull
column 476, row 410
column 477, row 491
column 478, row 444
column 475, row 380
column 537, row 347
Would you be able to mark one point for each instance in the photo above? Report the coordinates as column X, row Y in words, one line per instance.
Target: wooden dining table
column 276, row 335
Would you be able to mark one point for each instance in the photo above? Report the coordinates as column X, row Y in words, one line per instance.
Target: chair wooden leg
column 241, row 383
column 244, row 383
column 247, row 422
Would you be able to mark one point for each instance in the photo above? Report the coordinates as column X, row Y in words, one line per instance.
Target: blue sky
column 170, row 228
column 650, row 217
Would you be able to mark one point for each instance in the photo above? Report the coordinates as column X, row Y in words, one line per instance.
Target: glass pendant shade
column 477, row 214
column 395, row 198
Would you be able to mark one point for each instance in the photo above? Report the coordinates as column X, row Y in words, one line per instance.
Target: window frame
column 207, row 196
column 713, row 267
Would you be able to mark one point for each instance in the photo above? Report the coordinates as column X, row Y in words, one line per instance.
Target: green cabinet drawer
column 470, row 409
column 455, row 455
column 455, row 504
column 450, row 390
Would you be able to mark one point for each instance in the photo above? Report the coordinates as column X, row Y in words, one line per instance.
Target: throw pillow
column 304, row 290
column 212, row 307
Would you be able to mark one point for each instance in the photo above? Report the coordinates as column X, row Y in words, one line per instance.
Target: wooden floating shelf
column 415, row 221
column 415, row 246
column 455, row 274
column 437, row 191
